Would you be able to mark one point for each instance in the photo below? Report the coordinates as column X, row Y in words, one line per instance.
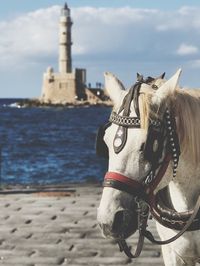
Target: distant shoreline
column 39, row 103
column 35, row 188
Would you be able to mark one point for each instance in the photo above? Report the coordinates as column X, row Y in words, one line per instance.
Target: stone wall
column 58, row 87
column 69, row 88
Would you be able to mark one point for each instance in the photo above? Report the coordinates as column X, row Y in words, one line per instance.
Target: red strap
column 122, row 178
column 135, row 184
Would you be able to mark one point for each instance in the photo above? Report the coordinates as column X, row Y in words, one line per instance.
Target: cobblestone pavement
column 39, row 229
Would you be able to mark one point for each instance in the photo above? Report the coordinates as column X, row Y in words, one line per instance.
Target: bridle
column 161, row 147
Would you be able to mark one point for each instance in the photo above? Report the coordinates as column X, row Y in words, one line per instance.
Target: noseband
column 161, row 147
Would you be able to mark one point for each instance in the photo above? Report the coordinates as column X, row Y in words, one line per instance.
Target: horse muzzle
column 124, row 224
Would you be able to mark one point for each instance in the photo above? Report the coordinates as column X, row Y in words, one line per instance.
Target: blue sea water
column 50, row 145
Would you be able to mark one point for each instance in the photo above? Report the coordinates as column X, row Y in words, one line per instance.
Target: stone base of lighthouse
column 63, row 88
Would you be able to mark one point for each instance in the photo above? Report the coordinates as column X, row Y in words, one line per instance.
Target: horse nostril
column 118, row 220
column 106, row 229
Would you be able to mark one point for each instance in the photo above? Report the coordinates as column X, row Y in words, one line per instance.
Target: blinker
column 154, row 145
column 101, row 147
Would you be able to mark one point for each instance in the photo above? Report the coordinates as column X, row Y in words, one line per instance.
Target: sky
column 120, row 36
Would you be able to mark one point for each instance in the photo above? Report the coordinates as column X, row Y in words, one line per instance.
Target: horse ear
column 161, row 76
column 167, row 88
column 139, row 77
column 114, row 87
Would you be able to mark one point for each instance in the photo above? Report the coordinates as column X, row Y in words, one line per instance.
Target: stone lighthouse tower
column 68, row 85
column 65, row 41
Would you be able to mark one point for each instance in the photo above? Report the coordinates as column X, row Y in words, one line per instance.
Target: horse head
column 135, row 140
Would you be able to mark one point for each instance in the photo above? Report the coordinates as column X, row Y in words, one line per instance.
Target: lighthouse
column 65, row 41
column 68, row 85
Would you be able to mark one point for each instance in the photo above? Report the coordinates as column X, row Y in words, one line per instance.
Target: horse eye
column 142, row 147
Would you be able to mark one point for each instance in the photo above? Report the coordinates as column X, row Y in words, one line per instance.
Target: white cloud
column 33, row 34
column 184, row 19
column 186, row 49
column 104, row 38
column 195, row 63
column 120, row 31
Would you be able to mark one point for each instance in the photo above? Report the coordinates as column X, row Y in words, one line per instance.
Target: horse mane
column 186, row 107
column 187, row 111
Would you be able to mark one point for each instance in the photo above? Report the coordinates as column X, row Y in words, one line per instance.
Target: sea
column 50, row 145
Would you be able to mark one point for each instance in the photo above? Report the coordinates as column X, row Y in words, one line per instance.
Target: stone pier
column 59, row 227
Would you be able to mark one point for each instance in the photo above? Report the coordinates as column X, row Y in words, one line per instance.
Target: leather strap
column 162, row 208
column 150, row 237
column 132, row 186
column 123, row 183
column 123, row 179
column 121, row 134
column 123, row 245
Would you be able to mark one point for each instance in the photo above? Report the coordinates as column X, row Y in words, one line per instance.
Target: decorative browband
column 126, row 121
column 129, row 121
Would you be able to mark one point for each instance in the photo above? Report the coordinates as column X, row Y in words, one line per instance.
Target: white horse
column 118, row 210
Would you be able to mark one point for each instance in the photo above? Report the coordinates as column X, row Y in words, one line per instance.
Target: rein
column 162, row 146
column 133, row 187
